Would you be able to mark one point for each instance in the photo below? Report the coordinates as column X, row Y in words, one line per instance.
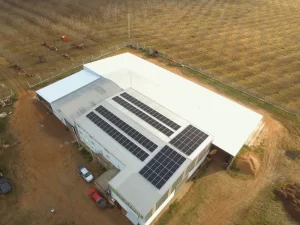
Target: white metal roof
column 83, row 99
column 67, row 85
column 229, row 122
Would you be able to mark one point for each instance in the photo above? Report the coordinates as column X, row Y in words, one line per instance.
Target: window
column 149, row 214
column 175, row 184
column 162, row 199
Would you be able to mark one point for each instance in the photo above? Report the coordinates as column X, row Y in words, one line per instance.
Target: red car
column 97, row 198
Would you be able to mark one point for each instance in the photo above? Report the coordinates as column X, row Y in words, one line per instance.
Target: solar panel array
column 120, row 138
column 143, row 116
column 137, row 136
column 151, row 111
column 162, row 166
column 189, row 139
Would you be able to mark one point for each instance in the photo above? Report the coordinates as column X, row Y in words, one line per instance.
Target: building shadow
column 49, row 124
column 217, row 163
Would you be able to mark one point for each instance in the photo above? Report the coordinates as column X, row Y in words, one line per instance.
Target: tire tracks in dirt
column 227, row 208
column 46, row 172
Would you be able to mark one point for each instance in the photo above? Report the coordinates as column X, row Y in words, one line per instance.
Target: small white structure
column 153, row 125
column 74, row 95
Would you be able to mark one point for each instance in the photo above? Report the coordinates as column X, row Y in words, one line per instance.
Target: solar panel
column 162, row 166
column 189, row 139
column 143, row 116
column 120, row 138
column 127, row 128
column 151, row 111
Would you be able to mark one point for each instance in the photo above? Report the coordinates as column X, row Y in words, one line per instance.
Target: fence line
column 148, row 49
column 38, row 80
column 8, row 93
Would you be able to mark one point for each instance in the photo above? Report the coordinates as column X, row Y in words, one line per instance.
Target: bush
column 3, row 122
column 86, row 154
column 288, row 194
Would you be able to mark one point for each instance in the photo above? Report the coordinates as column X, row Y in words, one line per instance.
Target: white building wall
column 58, row 114
column 150, row 220
column 98, row 148
column 205, row 151
column 197, row 165
column 127, row 209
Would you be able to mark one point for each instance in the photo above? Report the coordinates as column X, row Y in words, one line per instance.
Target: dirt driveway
column 43, row 171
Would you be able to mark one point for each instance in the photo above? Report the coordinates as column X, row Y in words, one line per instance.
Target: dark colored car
column 4, row 186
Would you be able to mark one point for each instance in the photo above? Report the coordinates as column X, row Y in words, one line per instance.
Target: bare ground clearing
column 44, row 173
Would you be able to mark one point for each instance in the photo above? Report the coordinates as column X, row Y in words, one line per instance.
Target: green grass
column 264, row 210
column 24, row 218
column 3, row 125
column 259, row 150
column 66, row 223
column 168, row 215
column 3, row 168
column 188, row 206
column 86, row 155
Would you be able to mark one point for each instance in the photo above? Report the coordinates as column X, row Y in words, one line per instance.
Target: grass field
column 251, row 44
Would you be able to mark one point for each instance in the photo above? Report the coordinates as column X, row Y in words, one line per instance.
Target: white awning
column 67, row 85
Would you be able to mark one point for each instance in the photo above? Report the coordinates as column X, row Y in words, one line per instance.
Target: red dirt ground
column 45, row 175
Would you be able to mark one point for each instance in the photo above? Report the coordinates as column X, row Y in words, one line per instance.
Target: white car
column 84, row 173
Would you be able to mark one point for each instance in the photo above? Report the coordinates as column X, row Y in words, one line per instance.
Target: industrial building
column 153, row 126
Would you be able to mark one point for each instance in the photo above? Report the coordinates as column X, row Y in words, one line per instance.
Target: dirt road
column 44, row 174
column 222, row 212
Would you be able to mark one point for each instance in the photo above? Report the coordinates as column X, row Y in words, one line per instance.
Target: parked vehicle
column 84, row 173
column 4, row 185
column 97, row 198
